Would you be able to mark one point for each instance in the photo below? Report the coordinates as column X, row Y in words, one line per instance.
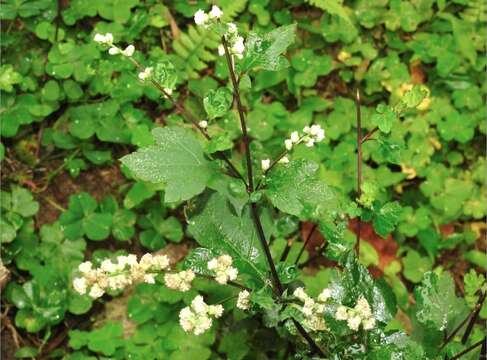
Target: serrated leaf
column 176, row 159
column 384, row 118
column 296, row 189
column 386, row 218
column 217, row 227
column 264, row 51
column 436, row 302
column 217, row 102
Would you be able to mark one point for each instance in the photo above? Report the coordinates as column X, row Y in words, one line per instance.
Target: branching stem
column 191, row 119
column 278, row 287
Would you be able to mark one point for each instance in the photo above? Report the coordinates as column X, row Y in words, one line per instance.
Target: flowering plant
column 349, row 318
column 262, row 187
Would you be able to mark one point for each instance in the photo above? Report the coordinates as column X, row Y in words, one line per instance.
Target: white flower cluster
column 235, row 41
column 203, row 19
column 180, row 281
column 114, row 276
column 197, row 318
column 360, row 314
column 236, row 44
column 311, row 135
column 222, row 266
column 107, row 40
column 313, row 310
column 243, row 300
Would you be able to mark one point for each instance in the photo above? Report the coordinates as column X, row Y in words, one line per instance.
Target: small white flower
column 106, row 39
column 180, row 281
column 96, row 292
column 198, row 305
column 284, row 160
column 85, row 267
column 300, row 294
column 238, row 46
column 215, row 12
column 243, row 301
column 143, row 75
column 232, row 273
column 369, row 323
column 114, row 50
column 79, row 284
column 324, row 295
column 108, row 266
column 215, row 310
column 306, row 129
column 168, row 91
column 203, row 124
column 129, row 51
column 213, row 264
column 342, row 313
column 309, row 142
column 200, row 17
column 294, row 137
column 363, row 308
column 232, row 28
column 221, row 50
column 354, row 322
column 288, row 144
column 265, row 164
column 149, row 279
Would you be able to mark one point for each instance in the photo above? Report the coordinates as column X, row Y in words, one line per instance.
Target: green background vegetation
column 69, row 112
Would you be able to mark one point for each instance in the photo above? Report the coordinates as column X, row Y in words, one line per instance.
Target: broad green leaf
column 297, row 189
column 217, row 227
column 217, row 102
column 384, row 118
column 415, row 266
column 176, row 159
column 355, row 281
column 23, row 202
column 265, row 51
column 165, row 74
column 386, row 218
column 436, row 302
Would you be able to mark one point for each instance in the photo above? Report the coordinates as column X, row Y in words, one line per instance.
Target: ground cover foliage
column 99, row 161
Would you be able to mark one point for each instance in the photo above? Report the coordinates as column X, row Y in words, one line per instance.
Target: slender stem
column 308, row 238
column 314, row 347
column 369, row 134
column 467, row 350
column 192, row 119
column 359, row 167
column 260, row 232
column 286, row 251
column 243, row 124
column 253, row 206
column 472, row 316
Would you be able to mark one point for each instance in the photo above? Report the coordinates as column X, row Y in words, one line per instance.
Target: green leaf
column 296, row 189
column 23, row 202
column 97, row 226
column 415, row 266
column 217, row 102
column 265, row 52
column 436, row 302
column 9, row 77
column 165, row 74
column 123, row 224
column 217, row 227
column 354, row 281
column 386, row 218
column 384, row 118
column 176, row 159
column 27, row 352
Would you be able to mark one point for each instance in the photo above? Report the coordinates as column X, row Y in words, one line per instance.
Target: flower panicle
column 198, row 317
column 125, row 271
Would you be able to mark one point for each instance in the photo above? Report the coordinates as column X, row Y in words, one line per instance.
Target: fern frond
column 196, row 47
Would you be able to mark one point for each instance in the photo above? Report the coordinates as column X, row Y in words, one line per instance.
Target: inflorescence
column 116, row 276
column 361, row 314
